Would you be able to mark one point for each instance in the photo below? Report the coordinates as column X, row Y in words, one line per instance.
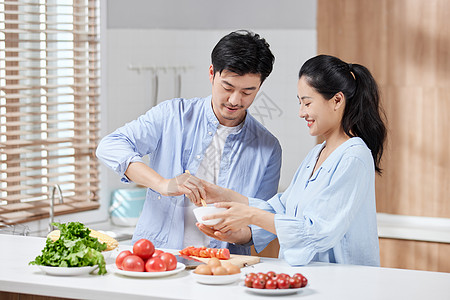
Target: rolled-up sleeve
column 131, row 142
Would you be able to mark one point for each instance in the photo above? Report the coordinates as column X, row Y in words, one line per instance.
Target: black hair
column 243, row 52
column 363, row 115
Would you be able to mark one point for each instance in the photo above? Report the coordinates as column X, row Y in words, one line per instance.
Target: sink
column 18, row 229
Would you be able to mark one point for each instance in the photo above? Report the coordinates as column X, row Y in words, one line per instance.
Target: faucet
column 52, row 205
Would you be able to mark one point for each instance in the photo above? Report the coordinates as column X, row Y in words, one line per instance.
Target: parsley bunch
column 74, row 248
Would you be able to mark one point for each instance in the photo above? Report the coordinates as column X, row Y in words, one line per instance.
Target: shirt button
column 159, row 197
column 215, row 122
column 210, row 133
column 199, row 156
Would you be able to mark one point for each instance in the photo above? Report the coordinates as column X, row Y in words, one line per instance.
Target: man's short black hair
column 243, row 52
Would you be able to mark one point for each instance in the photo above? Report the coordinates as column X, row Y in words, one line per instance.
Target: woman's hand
column 241, row 236
column 236, row 216
column 215, row 193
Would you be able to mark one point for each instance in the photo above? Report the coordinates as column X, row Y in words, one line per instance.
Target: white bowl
column 200, row 212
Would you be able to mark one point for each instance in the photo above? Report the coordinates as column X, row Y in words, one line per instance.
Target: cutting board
column 237, row 260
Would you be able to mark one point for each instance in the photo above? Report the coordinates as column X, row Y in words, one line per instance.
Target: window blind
column 49, row 89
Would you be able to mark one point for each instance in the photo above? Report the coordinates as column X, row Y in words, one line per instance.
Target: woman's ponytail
column 363, row 113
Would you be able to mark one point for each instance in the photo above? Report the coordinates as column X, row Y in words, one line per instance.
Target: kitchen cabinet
column 326, row 281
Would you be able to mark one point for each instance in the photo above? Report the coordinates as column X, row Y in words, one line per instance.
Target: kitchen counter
column 326, row 281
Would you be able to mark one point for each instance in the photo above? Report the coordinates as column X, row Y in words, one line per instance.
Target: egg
column 232, row 269
column 214, row 262
column 220, row 271
column 203, row 270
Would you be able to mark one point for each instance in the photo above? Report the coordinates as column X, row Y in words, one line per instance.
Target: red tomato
column 157, row 253
column 271, row 284
column 195, row 252
column 258, row 283
column 133, row 263
column 295, row 283
column 203, row 253
column 262, row 276
column 169, row 260
column 120, row 257
column 223, row 253
column 304, row 281
column 155, row 264
column 144, row 249
column 283, row 283
column 271, row 274
column 282, row 275
column 302, row 278
column 249, row 280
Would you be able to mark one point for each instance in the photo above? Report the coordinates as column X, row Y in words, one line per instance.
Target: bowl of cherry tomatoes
column 274, row 283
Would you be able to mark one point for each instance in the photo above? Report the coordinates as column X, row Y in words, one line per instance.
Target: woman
column 328, row 212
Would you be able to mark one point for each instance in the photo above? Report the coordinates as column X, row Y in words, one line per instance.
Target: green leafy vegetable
column 74, row 248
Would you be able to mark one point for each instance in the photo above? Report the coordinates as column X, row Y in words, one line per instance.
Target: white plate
column 272, row 292
column 180, row 267
column 61, row 271
column 216, row 279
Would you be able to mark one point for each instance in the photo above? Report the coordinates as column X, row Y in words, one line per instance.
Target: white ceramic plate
column 216, row 279
column 73, row 271
column 273, row 292
column 180, row 267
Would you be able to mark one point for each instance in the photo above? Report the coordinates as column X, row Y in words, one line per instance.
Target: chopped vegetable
column 74, row 248
column 222, row 253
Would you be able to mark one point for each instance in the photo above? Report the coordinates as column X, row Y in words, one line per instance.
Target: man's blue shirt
column 175, row 135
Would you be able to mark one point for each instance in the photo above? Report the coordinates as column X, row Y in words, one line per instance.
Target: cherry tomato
column 281, row 276
column 157, row 253
column 144, row 249
column 271, row 274
column 155, row 264
column 249, row 280
column 120, row 257
column 271, row 284
column 302, row 278
column 262, row 276
column 170, row 261
column 133, row 263
column 283, row 283
column 304, row 281
column 295, row 283
column 258, row 283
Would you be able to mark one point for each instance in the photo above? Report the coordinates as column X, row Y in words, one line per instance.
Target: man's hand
column 184, row 184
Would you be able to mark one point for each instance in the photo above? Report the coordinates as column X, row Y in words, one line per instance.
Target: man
column 213, row 138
